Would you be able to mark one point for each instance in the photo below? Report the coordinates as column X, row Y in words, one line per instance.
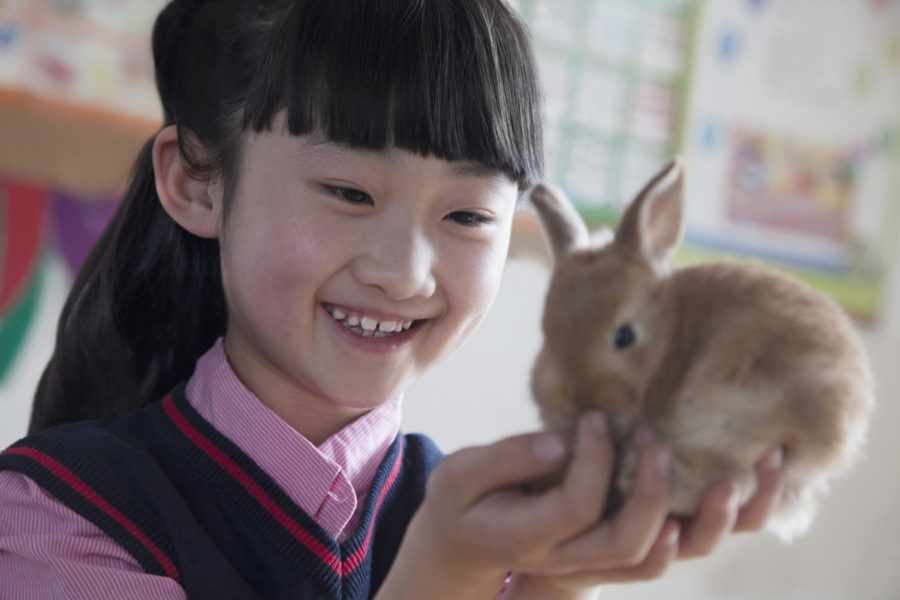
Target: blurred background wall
column 786, row 110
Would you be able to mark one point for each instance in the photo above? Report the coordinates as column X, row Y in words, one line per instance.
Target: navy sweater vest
column 188, row 504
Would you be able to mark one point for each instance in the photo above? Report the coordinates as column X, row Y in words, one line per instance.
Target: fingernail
column 672, row 537
column 662, row 461
column 549, row 447
column 597, row 422
column 774, row 460
column 734, row 499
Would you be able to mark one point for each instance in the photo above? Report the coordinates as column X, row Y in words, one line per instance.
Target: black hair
column 455, row 79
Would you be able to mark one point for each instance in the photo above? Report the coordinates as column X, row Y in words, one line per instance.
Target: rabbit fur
column 719, row 361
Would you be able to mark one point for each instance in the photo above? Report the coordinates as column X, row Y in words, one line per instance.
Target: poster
column 792, row 138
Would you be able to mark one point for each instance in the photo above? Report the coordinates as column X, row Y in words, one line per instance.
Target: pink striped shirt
column 49, row 551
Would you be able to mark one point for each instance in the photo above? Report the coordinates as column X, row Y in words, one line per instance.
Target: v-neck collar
column 273, row 511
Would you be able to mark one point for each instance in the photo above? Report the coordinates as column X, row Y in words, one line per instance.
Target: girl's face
column 350, row 272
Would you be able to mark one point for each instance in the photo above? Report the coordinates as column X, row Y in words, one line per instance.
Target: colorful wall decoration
column 792, row 135
column 22, row 211
column 785, row 110
column 35, row 222
column 93, row 53
column 74, row 61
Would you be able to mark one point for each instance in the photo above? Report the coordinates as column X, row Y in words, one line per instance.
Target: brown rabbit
column 719, row 361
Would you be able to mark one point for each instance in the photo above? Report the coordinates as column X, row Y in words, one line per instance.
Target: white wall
column 853, row 550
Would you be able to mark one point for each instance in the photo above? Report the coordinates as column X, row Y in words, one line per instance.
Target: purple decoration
column 77, row 223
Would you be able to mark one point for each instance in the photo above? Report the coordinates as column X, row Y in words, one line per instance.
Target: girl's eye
column 624, row 337
column 351, row 195
column 469, row 219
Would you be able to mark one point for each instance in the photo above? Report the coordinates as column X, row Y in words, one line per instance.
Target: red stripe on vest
column 295, row 529
column 341, row 568
column 83, row 489
column 354, row 560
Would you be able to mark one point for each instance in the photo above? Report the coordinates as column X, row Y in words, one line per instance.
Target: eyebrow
column 462, row 168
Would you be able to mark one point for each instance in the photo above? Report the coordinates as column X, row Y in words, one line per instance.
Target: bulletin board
column 792, row 139
column 786, row 112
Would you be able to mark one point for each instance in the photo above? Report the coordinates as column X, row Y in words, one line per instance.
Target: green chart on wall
column 613, row 77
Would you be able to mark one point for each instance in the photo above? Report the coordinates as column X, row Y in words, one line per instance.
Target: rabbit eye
column 624, row 337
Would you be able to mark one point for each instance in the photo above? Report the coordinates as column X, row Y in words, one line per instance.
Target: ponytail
column 145, row 305
column 148, row 301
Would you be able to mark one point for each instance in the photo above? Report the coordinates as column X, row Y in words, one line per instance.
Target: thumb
column 471, row 473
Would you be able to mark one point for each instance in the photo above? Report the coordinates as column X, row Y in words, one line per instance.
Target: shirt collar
column 302, row 470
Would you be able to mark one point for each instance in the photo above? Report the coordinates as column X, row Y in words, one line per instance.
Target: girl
column 323, row 217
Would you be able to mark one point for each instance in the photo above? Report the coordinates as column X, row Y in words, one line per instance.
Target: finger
column 472, row 473
column 579, row 501
column 661, row 554
column 626, row 539
column 770, row 475
column 718, row 514
column 657, row 562
column 654, row 565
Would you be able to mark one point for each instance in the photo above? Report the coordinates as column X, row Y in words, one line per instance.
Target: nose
column 400, row 263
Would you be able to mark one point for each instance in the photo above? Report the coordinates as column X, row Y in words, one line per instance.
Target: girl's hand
column 477, row 523
column 688, row 539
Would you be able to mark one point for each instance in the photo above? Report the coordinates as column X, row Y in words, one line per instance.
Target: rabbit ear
column 563, row 227
column 653, row 223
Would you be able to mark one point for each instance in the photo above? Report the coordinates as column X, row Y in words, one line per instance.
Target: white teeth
column 368, row 325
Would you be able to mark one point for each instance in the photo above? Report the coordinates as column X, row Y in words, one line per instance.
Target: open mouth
column 369, row 326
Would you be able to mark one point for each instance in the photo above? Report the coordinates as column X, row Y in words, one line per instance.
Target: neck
column 311, row 414
column 315, row 423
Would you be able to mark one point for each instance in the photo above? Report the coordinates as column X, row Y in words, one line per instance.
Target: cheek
column 265, row 273
column 475, row 280
column 252, row 258
column 283, row 243
column 468, row 283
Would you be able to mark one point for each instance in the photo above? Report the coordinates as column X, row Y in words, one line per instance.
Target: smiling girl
column 323, row 217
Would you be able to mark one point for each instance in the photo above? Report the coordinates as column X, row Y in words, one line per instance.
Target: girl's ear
column 192, row 203
column 654, row 221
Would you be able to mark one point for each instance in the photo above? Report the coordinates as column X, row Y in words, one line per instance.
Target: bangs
column 455, row 79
